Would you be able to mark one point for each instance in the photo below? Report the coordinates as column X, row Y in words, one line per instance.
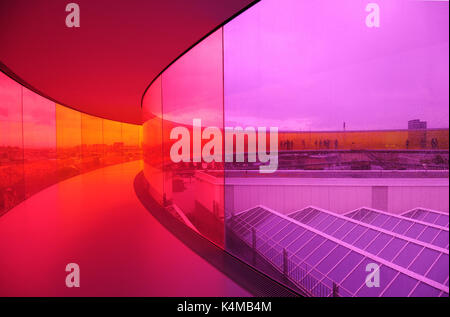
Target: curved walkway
column 96, row 221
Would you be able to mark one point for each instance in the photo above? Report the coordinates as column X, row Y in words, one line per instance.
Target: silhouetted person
column 434, row 143
column 336, row 144
column 407, row 144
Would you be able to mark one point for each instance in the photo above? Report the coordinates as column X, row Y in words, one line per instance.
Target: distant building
column 417, row 139
column 417, row 125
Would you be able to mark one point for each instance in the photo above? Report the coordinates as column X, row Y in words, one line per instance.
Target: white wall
column 339, row 195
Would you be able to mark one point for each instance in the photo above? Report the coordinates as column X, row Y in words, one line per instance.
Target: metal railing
column 295, row 269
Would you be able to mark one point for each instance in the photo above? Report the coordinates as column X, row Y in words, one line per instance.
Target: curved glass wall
column 359, row 96
column 42, row 143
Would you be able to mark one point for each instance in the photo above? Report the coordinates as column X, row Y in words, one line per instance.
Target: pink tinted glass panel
column 12, row 189
column 192, row 88
column 39, row 139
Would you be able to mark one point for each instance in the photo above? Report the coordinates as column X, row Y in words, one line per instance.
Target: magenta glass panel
column 12, row 189
column 359, row 110
column 311, row 66
column 152, row 140
column 192, row 88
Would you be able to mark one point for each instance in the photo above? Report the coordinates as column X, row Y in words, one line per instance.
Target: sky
column 312, row 65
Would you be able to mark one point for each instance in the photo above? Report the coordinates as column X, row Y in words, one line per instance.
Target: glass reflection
column 12, row 189
column 68, row 142
column 92, row 148
column 42, row 143
column 363, row 123
column 192, row 88
column 39, row 140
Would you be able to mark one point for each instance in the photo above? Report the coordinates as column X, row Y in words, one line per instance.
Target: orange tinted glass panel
column 92, row 142
column 112, row 136
column 68, row 142
column 130, row 137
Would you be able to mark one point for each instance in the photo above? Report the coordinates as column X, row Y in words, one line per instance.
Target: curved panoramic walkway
column 96, row 221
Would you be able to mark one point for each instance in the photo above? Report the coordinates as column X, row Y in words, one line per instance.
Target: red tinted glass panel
column 39, row 139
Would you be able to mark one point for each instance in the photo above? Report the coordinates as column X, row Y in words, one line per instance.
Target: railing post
column 254, row 244
column 335, row 290
column 254, row 239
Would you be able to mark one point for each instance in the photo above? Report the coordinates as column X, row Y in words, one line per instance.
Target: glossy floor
column 96, row 221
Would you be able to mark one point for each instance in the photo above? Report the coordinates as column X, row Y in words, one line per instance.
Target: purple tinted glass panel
column 441, row 239
column 428, row 235
column 379, row 243
column 325, row 223
column 345, row 266
column 258, row 218
column 366, row 239
column 386, row 276
column 332, row 259
column 402, row 226
column 355, row 234
column 378, row 221
column 424, row 261
column 300, row 214
column 292, row 236
column 297, row 244
column 439, row 271
column 309, row 247
column 369, row 216
column 344, row 230
column 401, row 286
column 418, row 214
column 431, row 217
column 276, row 228
column 358, row 214
column 267, row 223
column 357, row 278
column 425, row 290
column 309, row 217
column 408, row 254
column 318, row 220
column 334, row 226
column 392, row 249
column 442, row 221
column 280, row 235
column 321, row 252
column 271, row 221
column 390, row 223
column 415, row 230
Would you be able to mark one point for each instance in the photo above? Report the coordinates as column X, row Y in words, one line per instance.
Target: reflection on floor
column 96, row 221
